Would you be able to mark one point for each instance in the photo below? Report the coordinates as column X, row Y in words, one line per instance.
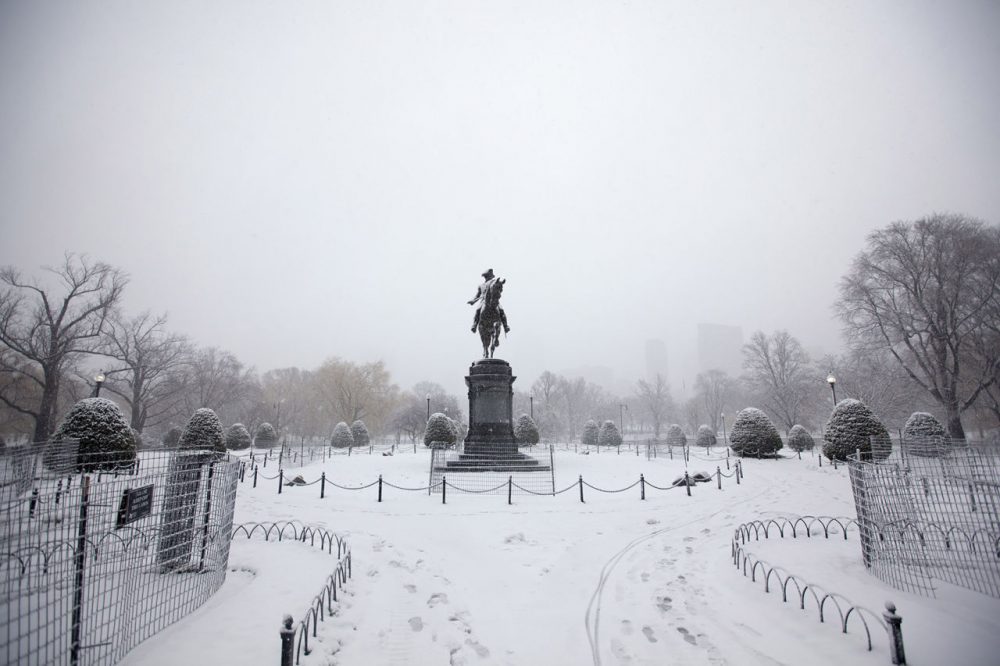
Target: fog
column 294, row 181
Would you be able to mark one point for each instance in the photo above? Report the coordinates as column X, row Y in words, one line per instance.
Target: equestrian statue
column 489, row 315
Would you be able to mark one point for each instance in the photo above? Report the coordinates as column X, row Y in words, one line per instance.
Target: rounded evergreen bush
column 676, row 436
column 609, row 435
column 799, row 439
column 360, row 433
column 924, row 435
column 526, row 432
column 590, row 433
column 706, row 437
column 266, row 436
column 440, row 431
column 853, row 427
column 203, row 431
column 237, row 437
column 172, row 436
column 105, row 437
column 342, row 437
column 753, row 434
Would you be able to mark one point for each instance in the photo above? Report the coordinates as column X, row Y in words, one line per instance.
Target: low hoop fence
column 295, row 636
column 777, row 577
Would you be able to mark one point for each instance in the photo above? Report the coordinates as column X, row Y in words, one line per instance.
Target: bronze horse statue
column 490, row 318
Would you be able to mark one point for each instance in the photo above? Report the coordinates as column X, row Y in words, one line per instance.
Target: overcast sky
column 298, row 180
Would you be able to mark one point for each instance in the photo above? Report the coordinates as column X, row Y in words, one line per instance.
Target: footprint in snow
column 663, row 603
column 416, row 623
column 437, row 598
column 626, row 627
column 652, row 521
column 687, row 636
column 618, row 650
column 515, row 538
column 645, row 577
column 410, row 588
column 688, row 539
column 648, row 632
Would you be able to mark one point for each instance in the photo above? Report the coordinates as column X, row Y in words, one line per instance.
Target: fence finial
column 896, row 652
column 287, row 640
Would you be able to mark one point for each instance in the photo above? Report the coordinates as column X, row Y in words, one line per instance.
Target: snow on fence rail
column 295, row 639
column 773, row 575
column 102, row 553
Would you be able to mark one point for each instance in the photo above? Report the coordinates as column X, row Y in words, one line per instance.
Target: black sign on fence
column 136, row 504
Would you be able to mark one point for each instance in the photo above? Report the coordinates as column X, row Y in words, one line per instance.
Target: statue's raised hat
column 488, row 274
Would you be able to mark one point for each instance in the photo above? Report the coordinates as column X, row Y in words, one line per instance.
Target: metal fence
column 930, row 511
column 95, row 562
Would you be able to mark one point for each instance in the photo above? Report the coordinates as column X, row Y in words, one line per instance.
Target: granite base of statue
column 490, row 445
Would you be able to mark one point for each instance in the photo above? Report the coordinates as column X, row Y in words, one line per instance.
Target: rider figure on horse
column 488, row 278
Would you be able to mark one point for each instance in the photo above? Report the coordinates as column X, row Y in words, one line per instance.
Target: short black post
column 671, row 450
column 254, row 477
column 896, row 652
column 322, row 485
column 821, row 460
column 265, row 462
column 642, row 487
column 379, row 487
column 32, row 502
column 718, row 474
column 581, row 487
column 287, row 641
column 208, row 515
column 736, row 472
column 281, row 479
column 727, row 463
column 510, row 487
column 739, row 467
column 444, row 490
column 800, row 454
column 687, row 482
column 835, row 462
column 76, row 621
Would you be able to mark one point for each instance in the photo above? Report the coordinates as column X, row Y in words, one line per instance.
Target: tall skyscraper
column 720, row 347
column 656, row 359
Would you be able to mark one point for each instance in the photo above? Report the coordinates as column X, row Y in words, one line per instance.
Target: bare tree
column 927, row 292
column 873, row 377
column 778, row 372
column 655, row 401
column 149, row 361
column 44, row 329
column 714, row 390
column 355, row 392
column 218, row 380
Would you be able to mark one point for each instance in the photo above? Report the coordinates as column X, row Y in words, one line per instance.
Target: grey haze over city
column 295, row 181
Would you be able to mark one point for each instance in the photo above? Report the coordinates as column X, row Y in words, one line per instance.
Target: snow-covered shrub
column 172, row 436
column 609, row 435
column 590, row 433
column 924, row 435
column 439, row 431
column 360, row 433
column 676, row 436
column 852, row 427
column 799, row 439
column 461, row 430
column 203, row 431
column 342, row 437
column 105, row 436
column 753, row 434
column 526, row 432
column 706, row 436
column 237, row 437
column 136, row 438
column 266, row 436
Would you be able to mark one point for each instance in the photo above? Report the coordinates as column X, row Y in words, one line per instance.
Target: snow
column 551, row 580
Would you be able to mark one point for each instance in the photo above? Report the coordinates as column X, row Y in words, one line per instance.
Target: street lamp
column 832, row 381
column 98, row 381
column 531, row 405
column 428, row 406
column 724, row 441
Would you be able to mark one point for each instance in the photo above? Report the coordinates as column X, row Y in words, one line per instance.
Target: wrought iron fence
column 928, row 512
column 95, row 562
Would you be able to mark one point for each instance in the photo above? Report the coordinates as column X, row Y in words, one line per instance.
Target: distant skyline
column 296, row 181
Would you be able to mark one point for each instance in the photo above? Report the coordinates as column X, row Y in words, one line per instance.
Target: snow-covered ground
column 550, row 580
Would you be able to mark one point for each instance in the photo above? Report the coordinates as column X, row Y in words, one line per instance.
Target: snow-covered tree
column 526, row 432
column 924, row 435
column 706, row 436
column 589, row 434
column 105, row 437
column 753, row 434
column 676, row 436
column 342, row 437
column 266, row 436
column 172, row 437
column 439, row 431
column 203, row 431
column 609, row 435
column 799, row 439
column 237, row 437
column 852, row 427
column 360, row 433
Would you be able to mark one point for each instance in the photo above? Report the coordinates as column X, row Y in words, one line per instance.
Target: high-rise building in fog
column 720, row 347
column 656, row 359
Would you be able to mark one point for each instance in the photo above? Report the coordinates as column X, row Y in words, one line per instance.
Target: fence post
column 820, row 459
column 718, row 473
column 736, row 472
column 208, row 514
column 581, row 487
column 255, row 477
column 642, row 487
column 800, row 454
column 510, row 487
column 896, row 652
column 687, row 482
column 444, row 490
column 32, row 502
column 322, row 485
column 80, row 560
column 281, row 479
column 58, row 491
column 287, row 640
column 379, row 487
column 739, row 467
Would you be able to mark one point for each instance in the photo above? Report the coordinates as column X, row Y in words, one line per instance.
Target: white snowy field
column 550, row 580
